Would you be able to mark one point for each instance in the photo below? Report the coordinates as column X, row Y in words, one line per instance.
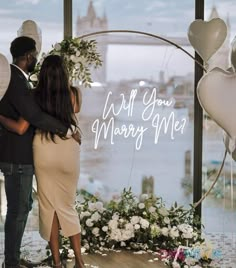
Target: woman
column 55, row 159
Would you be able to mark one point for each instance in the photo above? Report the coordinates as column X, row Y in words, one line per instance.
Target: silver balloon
column 5, row 74
column 233, row 53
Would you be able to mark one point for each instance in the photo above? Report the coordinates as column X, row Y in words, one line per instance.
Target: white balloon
column 30, row 28
column 5, row 74
column 233, row 53
column 217, row 95
column 230, row 145
column 207, row 37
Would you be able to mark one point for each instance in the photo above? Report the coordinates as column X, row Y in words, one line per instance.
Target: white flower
column 134, row 220
column 95, row 231
column 174, row 232
column 105, row 228
column 77, row 53
column 89, row 222
column 70, row 254
column 155, row 230
column 57, row 47
column 144, row 197
column 129, row 226
column 84, row 214
column 115, row 216
column 80, row 198
column 113, row 224
column 152, row 209
column 96, row 216
column 163, row 211
column 83, row 232
column 141, row 205
column 122, row 244
column 136, row 226
column 175, row 265
column 34, row 78
column 99, row 206
column 165, row 231
column 144, row 223
column 92, row 206
column 166, row 220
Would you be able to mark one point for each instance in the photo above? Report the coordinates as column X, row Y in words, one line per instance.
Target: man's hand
column 77, row 136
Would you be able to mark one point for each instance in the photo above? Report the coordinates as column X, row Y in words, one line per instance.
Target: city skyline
column 172, row 20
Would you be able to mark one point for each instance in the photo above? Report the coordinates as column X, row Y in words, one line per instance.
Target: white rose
column 129, row 226
column 105, row 228
column 152, row 209
column 113, row 224
column 122, row 244
column 163, row 211
column 70, row 254
column 89, row 222
column 167, row 220
column 77, row 53
column 136, row 226
column 80, row 198
column 115, row 216
column 91, row 206
column 187, row 235
column 57, row 47
column 144, row 223
column 144, row 197
column 95, row 231
column 155, row 230
column 96, row 216
column 83, row 232
column 134, row 220
column 99, row 206
column 141, row 205
column 34, row 78
column 174, row 232
column 165, row 231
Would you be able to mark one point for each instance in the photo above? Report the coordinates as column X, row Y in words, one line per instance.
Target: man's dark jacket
column 19, row 101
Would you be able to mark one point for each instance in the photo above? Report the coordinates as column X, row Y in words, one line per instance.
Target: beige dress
column 57, row 172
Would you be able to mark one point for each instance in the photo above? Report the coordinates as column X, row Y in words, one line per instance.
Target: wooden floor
column 124, row 259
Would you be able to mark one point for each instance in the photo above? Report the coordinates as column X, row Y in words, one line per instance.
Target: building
column 92, row 23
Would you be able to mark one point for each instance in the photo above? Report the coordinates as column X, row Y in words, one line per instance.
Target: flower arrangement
column 79, row 56
column 140, row 224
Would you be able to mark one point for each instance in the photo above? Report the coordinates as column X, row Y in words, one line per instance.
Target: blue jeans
column 18, row 187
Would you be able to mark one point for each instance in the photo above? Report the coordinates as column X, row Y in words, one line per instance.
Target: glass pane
column 219, row 209
column 143, row 66
column 13, row 14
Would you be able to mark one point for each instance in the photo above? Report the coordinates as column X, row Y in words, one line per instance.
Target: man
column 16, row 156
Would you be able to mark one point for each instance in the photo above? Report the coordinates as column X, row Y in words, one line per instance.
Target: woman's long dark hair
column 53, row 92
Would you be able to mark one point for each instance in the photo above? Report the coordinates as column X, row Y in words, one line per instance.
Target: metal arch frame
column 198, row 113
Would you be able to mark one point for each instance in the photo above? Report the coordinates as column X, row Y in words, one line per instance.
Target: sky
column 169, row 18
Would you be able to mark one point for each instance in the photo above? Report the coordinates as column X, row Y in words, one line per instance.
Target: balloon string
column 147, row 34
column 213, row 184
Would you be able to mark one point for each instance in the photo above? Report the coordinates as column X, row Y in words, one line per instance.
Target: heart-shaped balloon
column 30, row 28
column 233, row 53
column 230, row 145
column 5, row 74
column 217, row 95
column 207, row 37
